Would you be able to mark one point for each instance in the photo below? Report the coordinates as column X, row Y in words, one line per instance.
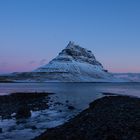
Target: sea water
column 78, row 95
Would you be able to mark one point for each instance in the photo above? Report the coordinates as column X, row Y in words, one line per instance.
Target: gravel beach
column 107, row 118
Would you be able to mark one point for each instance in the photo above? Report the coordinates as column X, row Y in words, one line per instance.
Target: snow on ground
column 131, row 77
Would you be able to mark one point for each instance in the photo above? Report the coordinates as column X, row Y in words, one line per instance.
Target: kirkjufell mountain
column 73, row 59
column 73, row 64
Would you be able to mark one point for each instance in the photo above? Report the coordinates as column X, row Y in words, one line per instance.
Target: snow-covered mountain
column 74, row 64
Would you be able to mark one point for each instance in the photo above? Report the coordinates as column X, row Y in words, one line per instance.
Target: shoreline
column 111, row 117
column 107, row 118
column 30, row 114
column 65, row 82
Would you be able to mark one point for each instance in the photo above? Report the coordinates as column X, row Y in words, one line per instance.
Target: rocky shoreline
column 20, row 104
column 108, row 118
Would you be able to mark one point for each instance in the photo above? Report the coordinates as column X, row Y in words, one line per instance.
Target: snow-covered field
column 131, row 77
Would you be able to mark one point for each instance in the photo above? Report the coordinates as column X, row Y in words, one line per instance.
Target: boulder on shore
column 22, row 103
column 23, row 113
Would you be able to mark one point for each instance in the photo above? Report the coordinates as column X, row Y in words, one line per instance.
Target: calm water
column 79, row 95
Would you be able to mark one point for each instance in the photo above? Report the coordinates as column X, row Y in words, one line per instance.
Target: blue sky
column 32, row 32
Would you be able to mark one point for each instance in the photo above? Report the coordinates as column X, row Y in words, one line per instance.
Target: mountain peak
column 77, row 53
column 70, row 44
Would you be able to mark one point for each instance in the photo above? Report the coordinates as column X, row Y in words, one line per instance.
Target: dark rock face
column 23, row 113
column 22, row 103
column 108, row 118
column 79, row 54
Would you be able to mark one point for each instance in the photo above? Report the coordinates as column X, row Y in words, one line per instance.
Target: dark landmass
column 22, row 76
column 109, row 94
column 22, row 103
column 108, row 118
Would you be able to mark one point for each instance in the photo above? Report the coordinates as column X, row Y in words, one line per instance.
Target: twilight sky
column 32, row 32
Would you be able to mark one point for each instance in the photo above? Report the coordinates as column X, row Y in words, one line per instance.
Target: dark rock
column 33, row 127
column 58, row 103
column 12, row 128
column 10, row 104
column 60, row 110
column 105, row 70
column 111, row 137
column 67, row 101
column 71, row 107
column 23, row 112
column 21, row 121
column 0, row 130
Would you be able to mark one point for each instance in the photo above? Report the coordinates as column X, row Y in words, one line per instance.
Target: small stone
column 33, row 127
column 71, row 107
column 0, row 130
column 60, row 110
column 67, row 101
column 58, row 103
